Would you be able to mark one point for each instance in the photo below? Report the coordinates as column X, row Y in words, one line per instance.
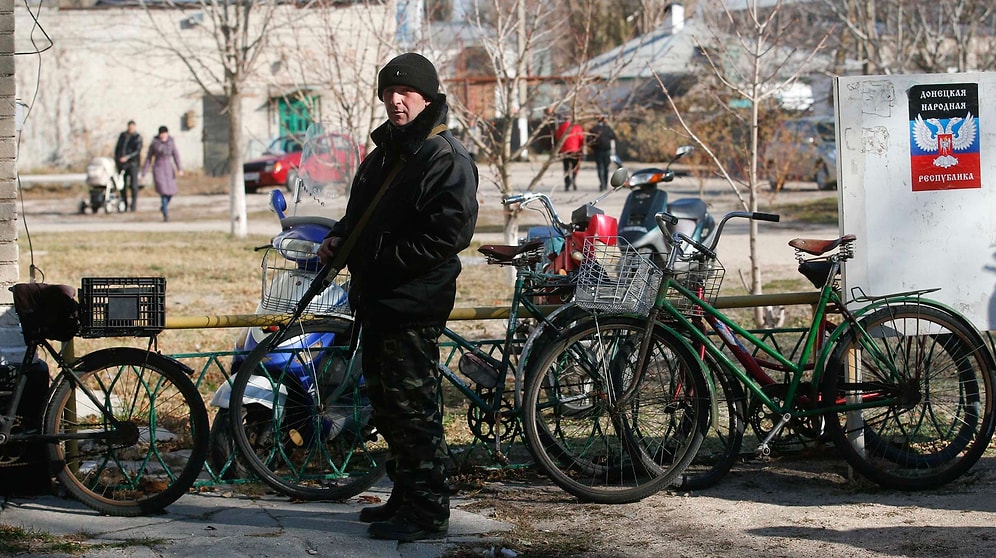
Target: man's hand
column 328, row 248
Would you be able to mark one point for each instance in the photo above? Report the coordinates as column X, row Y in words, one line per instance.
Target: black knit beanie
column 413, row 70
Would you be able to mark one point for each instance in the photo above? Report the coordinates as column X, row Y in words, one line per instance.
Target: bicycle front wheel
column 934, row 376
column 604, row 430
column 132, row 434
column 300, row 417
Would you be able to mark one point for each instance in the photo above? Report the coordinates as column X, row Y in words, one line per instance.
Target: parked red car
column 335, row 158
column 272, row 168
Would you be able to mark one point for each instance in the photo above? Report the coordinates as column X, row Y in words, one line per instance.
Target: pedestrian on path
column 602, row 141
column 127, row 153
column 165, row 161
column 571, row 151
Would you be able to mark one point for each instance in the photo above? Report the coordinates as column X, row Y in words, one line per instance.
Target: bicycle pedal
column 296, row 437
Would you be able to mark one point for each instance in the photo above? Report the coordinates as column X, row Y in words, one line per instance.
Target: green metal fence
column 217, row 364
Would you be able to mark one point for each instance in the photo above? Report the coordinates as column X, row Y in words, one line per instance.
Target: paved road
column 219, row 524
column 210, row 212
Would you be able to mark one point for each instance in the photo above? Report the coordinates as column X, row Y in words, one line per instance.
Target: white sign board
column 917, row 178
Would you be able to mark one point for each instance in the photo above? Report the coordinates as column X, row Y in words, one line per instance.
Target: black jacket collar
column 408, row 139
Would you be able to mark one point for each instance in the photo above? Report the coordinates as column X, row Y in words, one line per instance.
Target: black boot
column 382, row 512
column 405, row 529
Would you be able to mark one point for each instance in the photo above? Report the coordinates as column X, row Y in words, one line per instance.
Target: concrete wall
column 109, row 65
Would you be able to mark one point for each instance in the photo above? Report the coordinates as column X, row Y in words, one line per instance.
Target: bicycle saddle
column 501, row 254
column 820, row 247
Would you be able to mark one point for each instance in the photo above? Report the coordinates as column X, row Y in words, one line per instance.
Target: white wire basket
column 616, row 278
column 285, row 282
column 702, row 278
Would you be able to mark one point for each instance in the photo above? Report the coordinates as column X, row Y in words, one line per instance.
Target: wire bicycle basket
column 616, row 278
column 702, row 276
column 284, row 282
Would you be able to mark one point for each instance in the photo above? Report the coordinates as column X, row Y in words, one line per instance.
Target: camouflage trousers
column 403, row 385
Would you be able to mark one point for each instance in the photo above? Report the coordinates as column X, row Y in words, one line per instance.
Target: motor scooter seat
column 687, row 208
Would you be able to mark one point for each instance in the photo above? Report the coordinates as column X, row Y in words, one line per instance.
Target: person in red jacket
column 571, row 151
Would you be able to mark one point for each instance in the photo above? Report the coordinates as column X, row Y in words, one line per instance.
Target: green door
column 296, row 114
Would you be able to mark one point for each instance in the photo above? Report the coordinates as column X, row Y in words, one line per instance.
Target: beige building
column 83, row 72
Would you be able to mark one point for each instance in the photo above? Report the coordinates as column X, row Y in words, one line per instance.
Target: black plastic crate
column 122, row 306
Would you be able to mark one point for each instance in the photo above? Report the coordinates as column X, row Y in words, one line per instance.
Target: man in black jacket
column 602, row 141
column 126, row 157
column 403, row 269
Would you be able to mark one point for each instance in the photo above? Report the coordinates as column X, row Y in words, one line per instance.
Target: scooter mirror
column 683, row 150
column 619, row 177
column 278, row 203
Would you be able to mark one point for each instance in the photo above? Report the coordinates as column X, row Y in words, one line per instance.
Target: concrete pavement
column 221, row 524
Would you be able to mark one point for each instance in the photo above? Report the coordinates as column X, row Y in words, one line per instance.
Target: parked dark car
column 276, row 166
column 803, row 149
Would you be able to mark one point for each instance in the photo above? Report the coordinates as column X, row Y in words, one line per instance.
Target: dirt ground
column 795, row 505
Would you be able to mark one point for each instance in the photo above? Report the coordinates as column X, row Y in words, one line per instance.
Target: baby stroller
column 104, row 187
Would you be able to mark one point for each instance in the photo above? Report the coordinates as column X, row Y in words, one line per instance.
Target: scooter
column 565, row 240
column 637, row 223
column 290, row 263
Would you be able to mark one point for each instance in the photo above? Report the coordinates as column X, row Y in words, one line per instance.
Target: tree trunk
column 236, row 181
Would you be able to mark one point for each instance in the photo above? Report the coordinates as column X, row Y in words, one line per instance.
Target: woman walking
column 165, row 161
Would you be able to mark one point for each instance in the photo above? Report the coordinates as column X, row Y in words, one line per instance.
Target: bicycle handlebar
column 665, row 219
column 525, row 198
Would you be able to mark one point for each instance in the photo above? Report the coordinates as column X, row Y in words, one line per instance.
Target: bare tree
column 220, row 42
column 515, row 41
column 751, row 59
column 900, row 36
column 518, row 45
column 339, row 56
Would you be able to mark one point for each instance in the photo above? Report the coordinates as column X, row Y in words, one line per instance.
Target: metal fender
column 132, row 354
column 903, row 298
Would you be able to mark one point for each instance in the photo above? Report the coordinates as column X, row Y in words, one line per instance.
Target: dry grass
column 207, row 273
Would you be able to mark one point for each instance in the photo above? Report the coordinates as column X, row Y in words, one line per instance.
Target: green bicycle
column 903, row 386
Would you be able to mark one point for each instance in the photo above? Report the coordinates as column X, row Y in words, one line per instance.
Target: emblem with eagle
column 932, row 136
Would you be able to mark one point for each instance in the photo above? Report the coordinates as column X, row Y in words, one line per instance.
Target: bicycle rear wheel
column 599, row 433
column 938, row 373
column 314, row 439
column 146, row 431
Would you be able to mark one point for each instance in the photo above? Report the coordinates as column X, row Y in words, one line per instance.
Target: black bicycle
column 126, row 430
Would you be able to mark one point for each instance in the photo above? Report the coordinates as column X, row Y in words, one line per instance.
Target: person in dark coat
column 403, row 270
column 127, row 153
column 602, row 139
column 165, row 161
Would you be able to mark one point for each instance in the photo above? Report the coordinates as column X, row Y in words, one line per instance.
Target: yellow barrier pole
column 473, row 313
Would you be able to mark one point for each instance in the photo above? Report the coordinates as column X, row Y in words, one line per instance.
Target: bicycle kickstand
column 764, row 449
